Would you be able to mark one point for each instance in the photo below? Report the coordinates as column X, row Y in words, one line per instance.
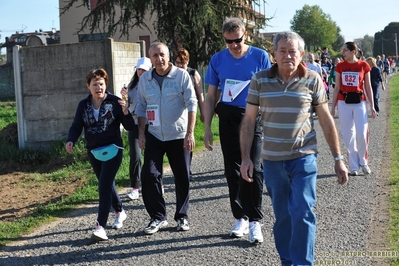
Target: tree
column 315, row 27
column 384, row 41
column 196, row 25
column 366, row 45
column 339, row 43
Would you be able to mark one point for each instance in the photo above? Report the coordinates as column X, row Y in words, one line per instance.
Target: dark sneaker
column 154, row 226
column 182, row 225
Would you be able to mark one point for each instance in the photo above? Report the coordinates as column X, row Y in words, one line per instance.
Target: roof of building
column 45, row 37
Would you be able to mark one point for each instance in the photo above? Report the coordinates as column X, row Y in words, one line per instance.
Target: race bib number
column 350, row 79
column 232, row 88
column 153, row 115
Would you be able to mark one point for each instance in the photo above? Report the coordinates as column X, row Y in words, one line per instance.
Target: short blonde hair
column 372, row 61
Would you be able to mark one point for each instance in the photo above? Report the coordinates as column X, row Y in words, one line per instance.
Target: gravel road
column 350, row 225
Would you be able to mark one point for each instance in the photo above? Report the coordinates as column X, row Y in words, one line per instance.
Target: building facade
column 70, row 23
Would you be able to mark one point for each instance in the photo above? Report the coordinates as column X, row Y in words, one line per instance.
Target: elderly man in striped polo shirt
column 286, row 95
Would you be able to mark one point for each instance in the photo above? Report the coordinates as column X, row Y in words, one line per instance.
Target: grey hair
column 233, row 25
column 155, row 44
column 289, row 36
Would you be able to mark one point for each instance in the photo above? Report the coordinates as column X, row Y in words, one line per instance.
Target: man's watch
column 338, row 158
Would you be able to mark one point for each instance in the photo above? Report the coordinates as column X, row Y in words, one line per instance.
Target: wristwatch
column 338, row 158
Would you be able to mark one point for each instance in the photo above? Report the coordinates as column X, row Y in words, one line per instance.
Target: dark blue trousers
column 108, row 195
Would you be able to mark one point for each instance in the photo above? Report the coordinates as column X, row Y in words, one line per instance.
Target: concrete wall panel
column 53, row 83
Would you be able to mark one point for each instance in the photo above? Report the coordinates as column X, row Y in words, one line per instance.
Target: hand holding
column 124, row 93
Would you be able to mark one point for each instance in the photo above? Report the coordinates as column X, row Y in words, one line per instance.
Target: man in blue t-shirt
column 228, row 76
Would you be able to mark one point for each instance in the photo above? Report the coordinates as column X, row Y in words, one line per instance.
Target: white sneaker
column 240, row 228
column 366, row 169
column 134, row 194
column 119, row 218
column 154, row 226
column 353, row 173
column 99, row 233
column 255, row 233
column 182, row 224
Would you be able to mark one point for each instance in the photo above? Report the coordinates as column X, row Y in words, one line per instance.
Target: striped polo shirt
column 286, row 112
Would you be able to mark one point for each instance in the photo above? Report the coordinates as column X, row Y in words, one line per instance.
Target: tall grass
column 78, row 167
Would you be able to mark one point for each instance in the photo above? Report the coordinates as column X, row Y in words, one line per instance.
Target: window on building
column 21, row 39
column 94, row 3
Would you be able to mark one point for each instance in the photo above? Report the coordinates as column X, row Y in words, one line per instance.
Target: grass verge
column 394, row 167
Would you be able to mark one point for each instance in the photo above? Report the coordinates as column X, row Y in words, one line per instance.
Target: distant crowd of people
column 266, row 107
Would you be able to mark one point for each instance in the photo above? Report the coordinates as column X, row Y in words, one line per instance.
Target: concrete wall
column 53, row 82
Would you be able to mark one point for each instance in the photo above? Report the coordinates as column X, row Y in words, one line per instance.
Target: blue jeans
column 291, row 186
column 376, row 96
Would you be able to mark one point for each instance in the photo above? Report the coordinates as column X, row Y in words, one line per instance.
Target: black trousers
column 152, row 173
column 245, row 197
column 135, row 157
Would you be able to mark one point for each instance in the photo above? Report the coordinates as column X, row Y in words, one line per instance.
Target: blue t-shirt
column 223, row 66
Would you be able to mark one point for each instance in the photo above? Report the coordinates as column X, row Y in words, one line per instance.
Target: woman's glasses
column 235, row 40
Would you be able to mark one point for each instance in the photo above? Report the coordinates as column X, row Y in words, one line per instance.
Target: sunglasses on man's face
column 235, row 40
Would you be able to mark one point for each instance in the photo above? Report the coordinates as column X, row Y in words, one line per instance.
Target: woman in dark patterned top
column 100, row 116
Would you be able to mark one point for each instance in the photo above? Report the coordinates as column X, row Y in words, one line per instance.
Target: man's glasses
column 235, row 40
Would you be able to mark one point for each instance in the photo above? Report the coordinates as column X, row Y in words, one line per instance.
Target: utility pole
column 396, row 45
column 382, row 44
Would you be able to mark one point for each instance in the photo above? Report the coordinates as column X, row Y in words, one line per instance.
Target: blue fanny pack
column 106, row 153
